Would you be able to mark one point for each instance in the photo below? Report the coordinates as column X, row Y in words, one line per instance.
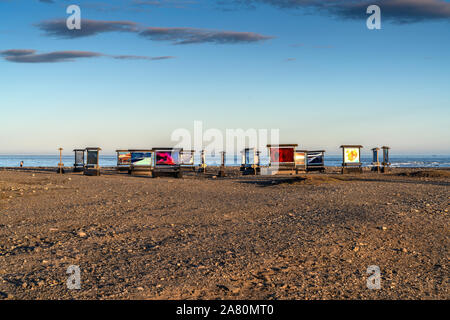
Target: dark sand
column 230, row 238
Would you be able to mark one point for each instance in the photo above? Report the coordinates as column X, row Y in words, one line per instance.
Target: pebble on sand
column 82, row 234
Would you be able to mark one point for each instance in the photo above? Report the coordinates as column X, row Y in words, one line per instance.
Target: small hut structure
column 78, row 165
column 376, row 166
column 141, row 162
column 167, row 161
column 351, row 158
column 250, row 162
column 281, row 157
column 92, row 167
column 315, row 160
column 187, row 160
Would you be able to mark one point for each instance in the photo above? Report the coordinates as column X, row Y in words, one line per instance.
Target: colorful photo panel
column 187, row 158
column 351, row 155
column 167, row 158
column 300, row 158
column 124, row 158
column 141, row 159
column 281, row 155
column 315, row 158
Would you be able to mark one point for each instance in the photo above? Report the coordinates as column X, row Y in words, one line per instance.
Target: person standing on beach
column 21, row 164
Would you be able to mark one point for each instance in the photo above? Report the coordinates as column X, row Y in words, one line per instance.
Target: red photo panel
column 282, row 155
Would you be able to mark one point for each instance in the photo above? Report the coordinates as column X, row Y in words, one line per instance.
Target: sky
column 139, row 70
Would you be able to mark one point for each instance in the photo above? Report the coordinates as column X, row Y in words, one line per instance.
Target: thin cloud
column 30, row 56
column 400, row 11
column 128, row 57
column 58, row 28
column 192, row 35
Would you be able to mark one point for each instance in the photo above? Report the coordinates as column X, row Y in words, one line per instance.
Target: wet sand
column 200, row 237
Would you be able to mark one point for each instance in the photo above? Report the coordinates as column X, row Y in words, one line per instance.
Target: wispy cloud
column 164, row 3
column 58, row 28
column 400, row 11
column 31, row 56
column 127, row 57
column 192, row 35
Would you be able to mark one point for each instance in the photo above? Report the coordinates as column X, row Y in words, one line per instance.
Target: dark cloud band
column 401, row 11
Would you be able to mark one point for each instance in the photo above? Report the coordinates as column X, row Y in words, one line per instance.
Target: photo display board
column 124, row 158
column 282, row 155
column 351, row 155
column 92, row 157
column 315, row 158
column 79, row 157
column 187, row 158
column 250, row 156
column 167, row 158
column 300, row 158
column 141, row 159
column 375, row 156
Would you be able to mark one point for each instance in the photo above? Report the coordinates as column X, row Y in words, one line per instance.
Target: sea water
column 405, row 161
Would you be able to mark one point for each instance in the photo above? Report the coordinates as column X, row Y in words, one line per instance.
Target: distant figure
column 21, row 164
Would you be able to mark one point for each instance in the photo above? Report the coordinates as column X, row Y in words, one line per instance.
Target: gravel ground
column 200, row 237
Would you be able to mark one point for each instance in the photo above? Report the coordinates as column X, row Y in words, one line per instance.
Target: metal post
column 60, row 164
column 222, row 166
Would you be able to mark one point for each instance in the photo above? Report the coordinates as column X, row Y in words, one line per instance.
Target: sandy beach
column 201, row 237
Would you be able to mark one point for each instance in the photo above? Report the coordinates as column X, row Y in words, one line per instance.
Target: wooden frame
column 141, row 169
column 77, row 165
column 122, row 165
column 281, row 167
column 375, row 160
column 312, row 164
column 250, row 167
column 92, row 167
column 173, row 169
column 222, row 164
column 386, row 162
column 301, row 161
column 191, row 164
column 349, row 155
column 60, row 164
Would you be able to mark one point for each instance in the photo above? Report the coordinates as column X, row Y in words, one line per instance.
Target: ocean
column 404, row 161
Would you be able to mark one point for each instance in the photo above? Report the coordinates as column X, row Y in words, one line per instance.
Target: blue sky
column 317, row 74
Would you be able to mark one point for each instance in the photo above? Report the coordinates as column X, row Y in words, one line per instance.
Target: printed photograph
column 213, row 158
